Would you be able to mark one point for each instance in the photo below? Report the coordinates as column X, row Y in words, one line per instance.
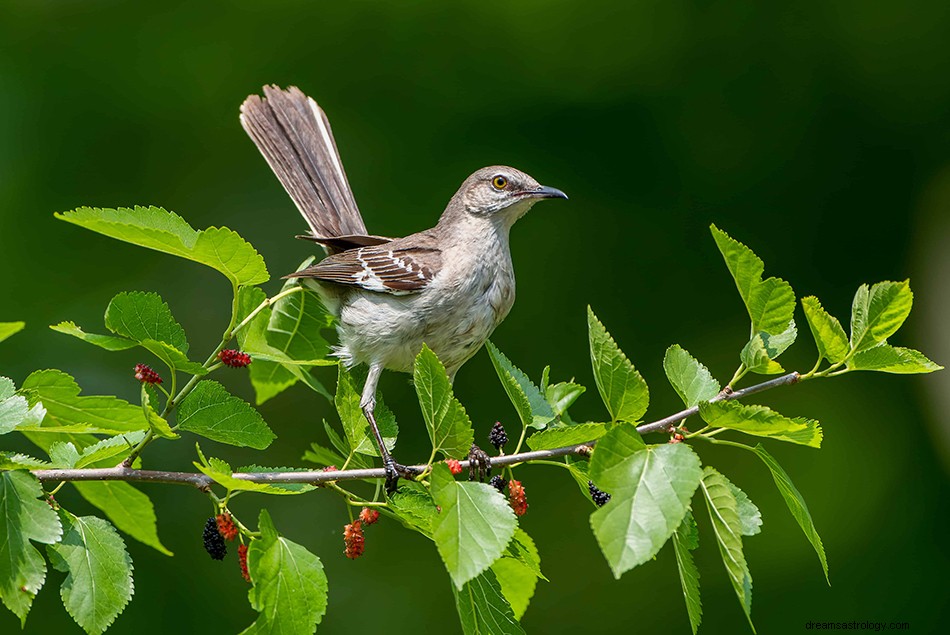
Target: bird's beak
column 544, row 191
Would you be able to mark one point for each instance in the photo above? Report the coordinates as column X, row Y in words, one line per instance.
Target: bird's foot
column 393, row 472
column 479, row 464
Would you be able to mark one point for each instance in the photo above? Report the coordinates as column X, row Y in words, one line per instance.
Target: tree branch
column 316, row 477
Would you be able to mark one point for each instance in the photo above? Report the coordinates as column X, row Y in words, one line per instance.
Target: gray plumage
column 447, row 287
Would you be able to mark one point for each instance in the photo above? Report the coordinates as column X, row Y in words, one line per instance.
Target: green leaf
column 770, row 302
column 727, row 526
column 212, row 412
column 220, row 471
column 878, row 312
column 474, row 526
column 796, row 505
column 650, row 488
column 144, row 316
column 685, row 540
column 297, row 322
column 355, row 426
column 322, row 456
column 517, row 584
column 276, row 487
column 483, row 609
column 523, row 549
column 893, row 359
column 10, row 328
column 18, row 461
column 449, row 427
column 691, row 380
column 761, row 422
column 290, row 586
column 158, row 425
column 128, row 508
column 415, row 508
column 155, row 228
column 15, row 410
column 759, row 353
column 623, row 390
column 63, row 455
column 566, row 435
column 750, row 518
column 99, row 581
column 108, row 342
column 59, row 394
column 830, row 338
column 531, row 404
column 111, row 450
column 25, row 518
column 273, row 370
column 562, row 396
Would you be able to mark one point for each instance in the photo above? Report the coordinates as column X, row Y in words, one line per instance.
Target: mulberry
column 353, row 539
column 600, row 497
column 517, row 497
column 498, row 437
column 213, row 540
column 233, row 358
column 146, row 375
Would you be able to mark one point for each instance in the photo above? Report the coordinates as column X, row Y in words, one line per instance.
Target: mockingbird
column 447, row 287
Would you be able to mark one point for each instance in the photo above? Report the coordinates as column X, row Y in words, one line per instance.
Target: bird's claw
column 479, row 464
column 393, row 472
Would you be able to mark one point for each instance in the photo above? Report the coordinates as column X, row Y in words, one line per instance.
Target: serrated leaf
column 59, row 394
column 273, row 370
column 355, row 425
column 691, row 380
column 128, row 508
column 579, row 472
column 296, row 324
column 158, row 425
column 111, row 450
column 483, row 609
column 212, row 412
column 830, row 338
column 566, row 435
column 750, row 518
column 621, row 387
column 8, row 329
column 279, row 487
column 19, row 461
column 290, row 586
column 893, row 359
column 770, row 302
column 474, row 526
column 155, row 228
column 685, row 540
column 140, row 316
column 759, row 353
column 727, row 527
column 63, row 454
column 25, row 519
column 878, row 312
column 98, row 584
column 562, row 396
column 761, row 422
column 650, row 488
column 449, row 427
column 517, row 584
column 15, row 410
column 322, row 456
column 530, row 403
column 415, row 508
column 107, row 342
column 796, row 505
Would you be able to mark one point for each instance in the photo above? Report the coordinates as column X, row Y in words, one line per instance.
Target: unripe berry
column 226, row 526
column 369, row 516
column 146, row 375
column 242, row 560
column 517, row 497
column 498, row 437
column 213, row 540
column 455, row 466
column 233, row 358
column 353, row 540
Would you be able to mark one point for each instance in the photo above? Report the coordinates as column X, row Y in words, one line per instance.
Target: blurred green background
column 817, row 133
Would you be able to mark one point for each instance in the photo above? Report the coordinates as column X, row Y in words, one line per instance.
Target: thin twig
column 315, row 477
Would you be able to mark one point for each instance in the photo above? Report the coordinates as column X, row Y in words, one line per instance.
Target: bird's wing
column 294, row 135
column 337, row 244
column 387, row 268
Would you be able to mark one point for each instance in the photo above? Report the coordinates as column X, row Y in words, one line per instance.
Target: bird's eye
column 499, row 182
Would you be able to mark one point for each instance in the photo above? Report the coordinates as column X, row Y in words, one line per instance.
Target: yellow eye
column 499, row 182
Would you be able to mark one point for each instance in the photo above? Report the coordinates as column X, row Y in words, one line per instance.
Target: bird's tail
column 293, row 134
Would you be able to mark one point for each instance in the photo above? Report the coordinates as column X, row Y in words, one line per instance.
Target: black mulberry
column 214, row 541
column 498, row 437
column 600, row 497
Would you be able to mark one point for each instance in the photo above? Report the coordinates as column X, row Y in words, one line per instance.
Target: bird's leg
column 368, row 405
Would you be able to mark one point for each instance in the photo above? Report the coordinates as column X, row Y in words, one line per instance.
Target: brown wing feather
column 385, row 268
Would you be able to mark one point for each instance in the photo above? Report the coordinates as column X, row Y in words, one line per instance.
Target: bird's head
column 501, row 192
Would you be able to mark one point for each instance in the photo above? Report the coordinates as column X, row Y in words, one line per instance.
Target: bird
column 447, row 287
